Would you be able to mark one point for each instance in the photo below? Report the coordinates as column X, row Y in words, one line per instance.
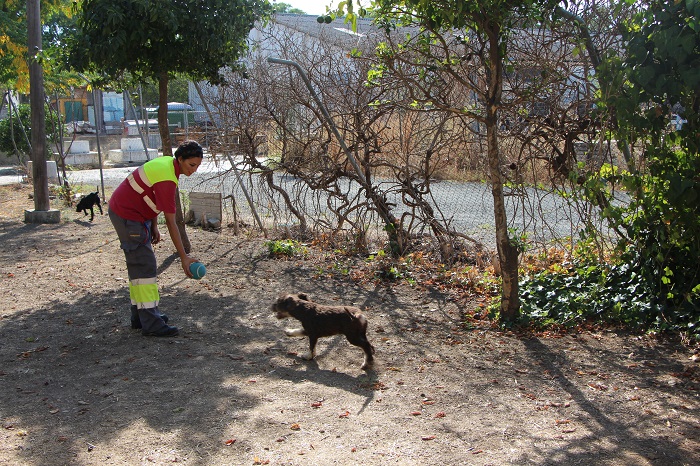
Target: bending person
column 133, row 210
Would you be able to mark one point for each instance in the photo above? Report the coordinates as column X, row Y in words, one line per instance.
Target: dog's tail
column 363, row 320
column 358, row 317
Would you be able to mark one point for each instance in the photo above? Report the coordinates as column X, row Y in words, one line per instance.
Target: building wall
column 75, row 106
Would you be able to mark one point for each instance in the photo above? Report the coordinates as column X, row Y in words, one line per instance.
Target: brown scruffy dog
column 319, row 320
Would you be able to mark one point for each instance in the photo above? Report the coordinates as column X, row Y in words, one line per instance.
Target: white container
column 90, row 159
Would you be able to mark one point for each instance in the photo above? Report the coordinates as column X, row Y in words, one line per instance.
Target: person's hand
column 186, row 261
column 155, row 234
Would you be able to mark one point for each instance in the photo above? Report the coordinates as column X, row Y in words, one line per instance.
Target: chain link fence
column 537, row 216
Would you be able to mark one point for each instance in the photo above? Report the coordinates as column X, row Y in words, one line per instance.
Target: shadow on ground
column 78, row 386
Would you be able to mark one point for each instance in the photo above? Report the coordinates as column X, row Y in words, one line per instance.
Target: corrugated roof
column 337, row 31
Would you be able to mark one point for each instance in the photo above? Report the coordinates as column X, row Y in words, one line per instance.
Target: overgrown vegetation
column 285, row 247
column 653, row 278
column 15, row 132
column 590, row 291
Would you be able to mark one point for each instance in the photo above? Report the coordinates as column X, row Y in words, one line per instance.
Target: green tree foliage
column 282, row 7
column 659, row 77
column 13, row 34
column 156, row 39
column 487, row 23
column 13, row 139
column 14, row 71
column 654, row 279
column 147, row 94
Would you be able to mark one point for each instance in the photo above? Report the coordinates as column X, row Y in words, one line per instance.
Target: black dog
column 318, row 321
column 89, row 202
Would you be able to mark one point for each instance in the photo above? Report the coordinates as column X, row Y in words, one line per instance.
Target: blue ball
column 197, row 270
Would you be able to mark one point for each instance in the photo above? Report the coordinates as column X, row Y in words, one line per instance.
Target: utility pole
column 42, row 212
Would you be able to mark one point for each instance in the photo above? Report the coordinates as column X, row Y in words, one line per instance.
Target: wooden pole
column 36, row 103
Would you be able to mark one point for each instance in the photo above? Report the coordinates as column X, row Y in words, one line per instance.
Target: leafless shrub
column 549, row 134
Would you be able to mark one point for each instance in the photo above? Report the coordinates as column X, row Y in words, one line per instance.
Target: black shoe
column 136, row 322
column 162, row 332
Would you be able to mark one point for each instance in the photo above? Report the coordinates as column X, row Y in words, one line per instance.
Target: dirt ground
column 79, row 387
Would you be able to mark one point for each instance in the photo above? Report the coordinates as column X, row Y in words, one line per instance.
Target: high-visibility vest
column 150, row 173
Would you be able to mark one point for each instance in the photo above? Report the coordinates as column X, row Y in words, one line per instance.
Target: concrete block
column 51, row 171
column 132, row 144
column 208, row 204
column 90, row 159
column 131, row 156
column 79, row 147
column 42, row 216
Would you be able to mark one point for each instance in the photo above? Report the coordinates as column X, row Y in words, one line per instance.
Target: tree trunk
column 168, row 150
column 36, row 97
column 507, row 253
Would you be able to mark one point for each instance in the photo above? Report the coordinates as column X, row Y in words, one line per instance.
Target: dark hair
column 188, row 150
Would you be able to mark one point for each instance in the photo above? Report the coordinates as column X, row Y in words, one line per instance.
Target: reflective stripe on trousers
column 144, row 292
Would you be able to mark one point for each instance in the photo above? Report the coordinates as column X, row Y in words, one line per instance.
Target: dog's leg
column 366, row 346
column 300, row 332
column 368, row 363
column 312, row 348
column 92, row 214
column 294, row 332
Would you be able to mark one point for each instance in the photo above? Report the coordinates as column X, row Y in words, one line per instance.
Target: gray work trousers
column 141, row 265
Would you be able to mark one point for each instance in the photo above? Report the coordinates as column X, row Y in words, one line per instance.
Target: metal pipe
column 231, row 161
column 138, row 126
column 99, row 149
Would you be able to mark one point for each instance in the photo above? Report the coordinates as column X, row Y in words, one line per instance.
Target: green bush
column 653, row 279
column 8, row 128
column 602, row 293
column 285, row 247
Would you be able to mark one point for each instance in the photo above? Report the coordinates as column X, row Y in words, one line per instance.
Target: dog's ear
column 303, row 296
column 281, row 299
column 285, row 301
